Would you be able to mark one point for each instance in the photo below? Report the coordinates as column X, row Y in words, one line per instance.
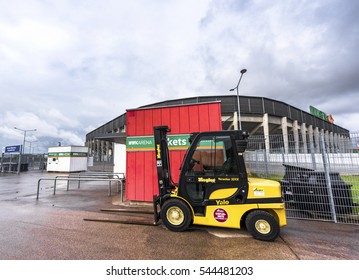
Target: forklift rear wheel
column 262, row 225
column 176, row 215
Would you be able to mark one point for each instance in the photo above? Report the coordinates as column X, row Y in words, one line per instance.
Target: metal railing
column 93, row 175
column 83, row 177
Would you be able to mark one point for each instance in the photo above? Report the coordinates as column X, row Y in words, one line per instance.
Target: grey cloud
column 90, row 61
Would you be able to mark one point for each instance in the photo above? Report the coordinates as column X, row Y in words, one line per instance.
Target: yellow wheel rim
column 262, row 226
column 175, row 215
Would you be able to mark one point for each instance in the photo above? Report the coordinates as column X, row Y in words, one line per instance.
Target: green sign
column 147, row 143
column 140, row 143
column 320, row 114
column 210, row 144
column 67, row 154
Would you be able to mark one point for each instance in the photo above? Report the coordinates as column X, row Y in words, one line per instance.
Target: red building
column 141, row 176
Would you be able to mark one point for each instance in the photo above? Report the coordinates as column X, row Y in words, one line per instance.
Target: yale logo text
column 222, row 202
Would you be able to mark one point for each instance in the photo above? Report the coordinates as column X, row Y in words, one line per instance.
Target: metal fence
column 321, row 183
column 9, row 163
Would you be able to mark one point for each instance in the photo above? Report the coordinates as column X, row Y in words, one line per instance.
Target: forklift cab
column 213, row 169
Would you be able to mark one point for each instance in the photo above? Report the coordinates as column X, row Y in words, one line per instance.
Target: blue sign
column 13, row 149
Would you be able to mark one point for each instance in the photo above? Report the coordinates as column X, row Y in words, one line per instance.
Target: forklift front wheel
column 176, row 215
column 262, row 225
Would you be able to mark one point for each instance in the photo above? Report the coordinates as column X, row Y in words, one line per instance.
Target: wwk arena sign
column 147, row 143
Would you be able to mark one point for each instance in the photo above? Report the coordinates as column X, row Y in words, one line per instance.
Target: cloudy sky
column 67, row 67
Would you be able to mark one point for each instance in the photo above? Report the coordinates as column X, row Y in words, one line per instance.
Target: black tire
column 262, row 225
column 176, row 215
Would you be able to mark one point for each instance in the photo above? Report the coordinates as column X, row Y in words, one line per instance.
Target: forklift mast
column 162, row 160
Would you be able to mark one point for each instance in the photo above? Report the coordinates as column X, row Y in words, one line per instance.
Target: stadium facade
column 298, row 131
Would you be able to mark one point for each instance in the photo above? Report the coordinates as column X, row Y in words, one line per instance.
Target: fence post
column 2, row 160
column 327, row 177
column 283, row 157
column 314, row 163
column 265, row 163
column 55, row 181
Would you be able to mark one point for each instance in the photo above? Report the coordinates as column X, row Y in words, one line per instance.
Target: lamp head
column 243, row 71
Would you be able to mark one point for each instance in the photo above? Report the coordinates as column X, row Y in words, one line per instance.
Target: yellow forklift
column 213, row 187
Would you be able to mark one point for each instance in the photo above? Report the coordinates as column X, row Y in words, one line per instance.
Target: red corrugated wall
column 141, row 172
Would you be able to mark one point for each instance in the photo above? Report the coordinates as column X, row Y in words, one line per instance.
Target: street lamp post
column 23, row 146
column 30, row 143
column 239, row 110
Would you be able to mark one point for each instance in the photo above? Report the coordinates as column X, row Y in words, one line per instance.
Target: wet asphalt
column 57, row 227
